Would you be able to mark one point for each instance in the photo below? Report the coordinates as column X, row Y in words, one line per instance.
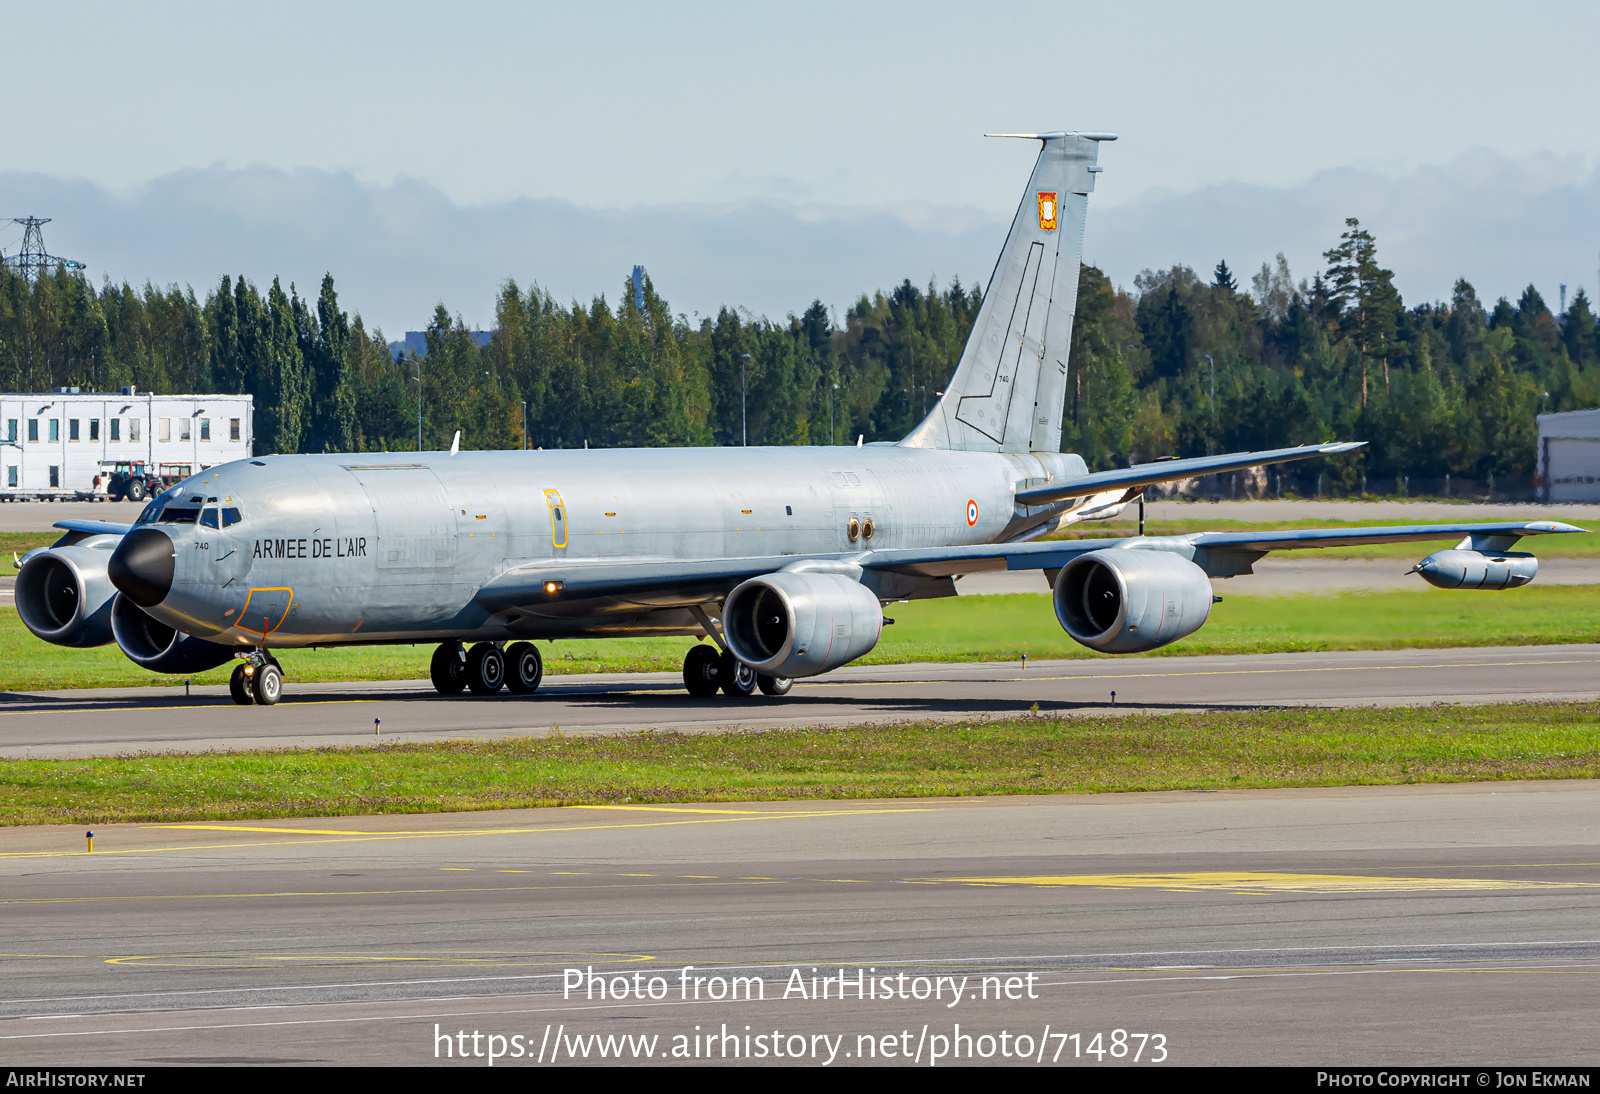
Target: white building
column 1569, row 456
column 54, row 444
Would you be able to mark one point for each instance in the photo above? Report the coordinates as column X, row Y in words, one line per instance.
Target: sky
column 766, row 155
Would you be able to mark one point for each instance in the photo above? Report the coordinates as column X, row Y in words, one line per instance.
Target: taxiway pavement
column 109, row 721
column 1445, row 925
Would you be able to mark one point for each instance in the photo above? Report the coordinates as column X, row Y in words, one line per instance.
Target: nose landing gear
column 259, row 679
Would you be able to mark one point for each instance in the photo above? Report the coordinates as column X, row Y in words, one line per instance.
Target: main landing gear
column 707, row 671
column 486, row 668
column 258, row 679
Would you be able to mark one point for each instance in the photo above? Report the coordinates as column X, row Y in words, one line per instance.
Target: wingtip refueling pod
column 1466, row 569
column 1485, row 560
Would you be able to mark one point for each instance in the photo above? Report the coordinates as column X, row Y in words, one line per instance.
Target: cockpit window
column 151, row 512
column 230, row 517
column 208, row 517
column 174, row 514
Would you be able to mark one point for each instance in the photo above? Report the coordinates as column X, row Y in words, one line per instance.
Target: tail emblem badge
column 1047, row 210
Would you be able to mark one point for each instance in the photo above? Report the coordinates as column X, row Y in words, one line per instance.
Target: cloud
column 1501, row 223
column 398, row 250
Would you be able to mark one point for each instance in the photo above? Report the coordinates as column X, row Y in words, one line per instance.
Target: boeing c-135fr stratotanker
column 782, row 557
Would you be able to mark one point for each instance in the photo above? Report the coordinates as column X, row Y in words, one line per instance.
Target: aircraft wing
column 95, row 527
column 641, row 580
column 1484, row 537
column 1221, row 554
column 546, row 583
column 1148, row 474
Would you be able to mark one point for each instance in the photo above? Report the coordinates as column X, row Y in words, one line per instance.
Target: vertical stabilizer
column 1009, row 386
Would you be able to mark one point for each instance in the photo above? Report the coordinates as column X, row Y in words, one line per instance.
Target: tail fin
column 1009, row 387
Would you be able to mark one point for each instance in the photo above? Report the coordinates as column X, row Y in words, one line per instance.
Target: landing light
column 552, row 587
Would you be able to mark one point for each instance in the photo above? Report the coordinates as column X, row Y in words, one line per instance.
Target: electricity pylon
column 32, row 260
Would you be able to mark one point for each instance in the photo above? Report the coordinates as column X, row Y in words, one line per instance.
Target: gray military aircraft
column 782, row 557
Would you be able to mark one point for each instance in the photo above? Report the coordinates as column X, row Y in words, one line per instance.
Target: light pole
column 1213, row 365
column 832, row 387
column 418, row 362
column 524, row 403
column 744, row 417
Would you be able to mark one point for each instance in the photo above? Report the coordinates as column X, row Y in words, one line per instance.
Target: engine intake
column 151, row 644
column 64, row 595
column 801, row 624
column 1122, row 601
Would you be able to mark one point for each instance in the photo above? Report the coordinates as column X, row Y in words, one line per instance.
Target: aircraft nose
column 141, row 566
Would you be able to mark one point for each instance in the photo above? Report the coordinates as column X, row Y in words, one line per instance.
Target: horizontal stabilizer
column 1148, row 474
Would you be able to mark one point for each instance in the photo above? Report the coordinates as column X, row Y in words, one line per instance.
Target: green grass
column 986, row 628
column 1568, row 545
column 969, row 628
column 1028, row 755
column 20, row 543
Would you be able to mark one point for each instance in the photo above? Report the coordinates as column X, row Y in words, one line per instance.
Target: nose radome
column 141, row 566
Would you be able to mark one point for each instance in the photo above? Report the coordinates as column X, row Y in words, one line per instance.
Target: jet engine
column 64, row 595
column 151, row 644
column 1121, row 601
column 801, row 624
column 1463, row 569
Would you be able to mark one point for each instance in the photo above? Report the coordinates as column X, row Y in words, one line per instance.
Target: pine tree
column 1222, row 277
column 1365, row 297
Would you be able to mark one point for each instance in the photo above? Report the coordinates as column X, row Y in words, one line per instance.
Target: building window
column 11, row 430
column 133, row 429
column 116, row 429
column 183, row 429
column 33, row 430
column 11, row 475
column 205, row 429
column 55, row 475
column 72, row 429
column 55, row 430
column 94, row 429
column 233, row 429
column 166, row 429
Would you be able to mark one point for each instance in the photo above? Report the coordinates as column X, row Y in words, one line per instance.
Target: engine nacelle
column 1462, row 569
column 151, row 644
column 64, row 595
column 801, row 624
column 1121, row 601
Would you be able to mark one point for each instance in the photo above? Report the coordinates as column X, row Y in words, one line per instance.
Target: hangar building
column 1569, row 456
column 54, row 444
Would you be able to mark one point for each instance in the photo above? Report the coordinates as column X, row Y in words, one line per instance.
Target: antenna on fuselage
column 455, row 445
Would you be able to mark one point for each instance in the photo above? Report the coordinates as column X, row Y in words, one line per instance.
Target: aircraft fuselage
column 343, row 549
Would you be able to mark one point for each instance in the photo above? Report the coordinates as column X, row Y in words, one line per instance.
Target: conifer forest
column 1177, row 364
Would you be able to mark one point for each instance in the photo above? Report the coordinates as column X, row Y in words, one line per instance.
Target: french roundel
column 972, row 512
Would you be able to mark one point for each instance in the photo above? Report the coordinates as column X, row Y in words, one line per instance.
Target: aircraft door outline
column 558, row 519
column 269, row 603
